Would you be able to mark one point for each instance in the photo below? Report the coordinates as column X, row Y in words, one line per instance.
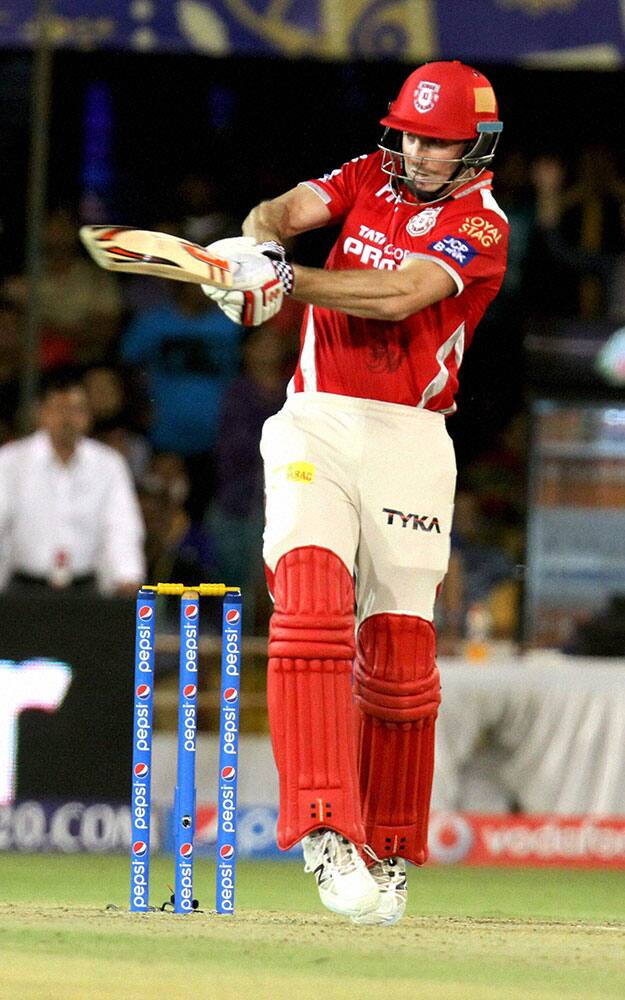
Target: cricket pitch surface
column 482, row 935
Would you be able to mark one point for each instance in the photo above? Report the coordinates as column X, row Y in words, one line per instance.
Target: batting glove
column 262, row 278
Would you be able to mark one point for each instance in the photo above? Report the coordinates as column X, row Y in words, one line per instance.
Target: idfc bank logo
column 459, row 250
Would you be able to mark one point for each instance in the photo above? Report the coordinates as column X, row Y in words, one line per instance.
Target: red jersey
column 415, row 361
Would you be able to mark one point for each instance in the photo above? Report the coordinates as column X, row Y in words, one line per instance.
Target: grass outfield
column 470, row 934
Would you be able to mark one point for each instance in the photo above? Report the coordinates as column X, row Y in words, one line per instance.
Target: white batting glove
column 261, row 280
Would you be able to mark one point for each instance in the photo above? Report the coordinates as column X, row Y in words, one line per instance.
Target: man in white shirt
column 69, row 516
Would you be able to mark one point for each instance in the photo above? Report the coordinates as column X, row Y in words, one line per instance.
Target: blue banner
column 578, row 33
column 255, row 838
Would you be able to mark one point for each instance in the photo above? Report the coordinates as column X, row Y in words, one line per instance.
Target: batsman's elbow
column 397, row 308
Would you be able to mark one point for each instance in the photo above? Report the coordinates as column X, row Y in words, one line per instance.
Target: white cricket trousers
column 371, row 481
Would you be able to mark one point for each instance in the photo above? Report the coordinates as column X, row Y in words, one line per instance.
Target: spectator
column 69, row 517
column 491, row 391
column 479, row 569
column 236, row 516
column 177, row 550
column 113, row 420
column 498, row 476
column 10, row 356
column 80, row 304
column 580, row 246
column 140, row 291
column 592, row 219
column 189, row 352
column 204, row 219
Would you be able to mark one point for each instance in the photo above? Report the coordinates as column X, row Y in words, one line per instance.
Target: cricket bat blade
column 142, row 251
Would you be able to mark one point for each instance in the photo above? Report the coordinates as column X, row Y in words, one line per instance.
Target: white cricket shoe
column 344, row 883
column 390, row 877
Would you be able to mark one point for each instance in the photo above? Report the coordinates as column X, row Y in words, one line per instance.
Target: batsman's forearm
column 371, row 294
column 268, row 221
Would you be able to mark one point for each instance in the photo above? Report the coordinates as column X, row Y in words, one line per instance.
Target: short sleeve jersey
column 414, row 362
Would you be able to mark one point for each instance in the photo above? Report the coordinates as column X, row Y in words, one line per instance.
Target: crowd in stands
column 181, row 393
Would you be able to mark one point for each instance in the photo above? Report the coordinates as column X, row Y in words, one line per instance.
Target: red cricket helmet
column 444, row 100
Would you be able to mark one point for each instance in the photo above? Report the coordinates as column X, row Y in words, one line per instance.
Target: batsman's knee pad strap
column 309, row 690
column 396, row 677
column 397, row 691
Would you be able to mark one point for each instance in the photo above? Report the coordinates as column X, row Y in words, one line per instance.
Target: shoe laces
column 389, row 873
column 333, row 850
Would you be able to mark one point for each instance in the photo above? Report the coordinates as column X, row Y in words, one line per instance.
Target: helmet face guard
column 478, row 155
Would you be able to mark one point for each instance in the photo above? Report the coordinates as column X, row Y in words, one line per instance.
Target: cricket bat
column 141, row 251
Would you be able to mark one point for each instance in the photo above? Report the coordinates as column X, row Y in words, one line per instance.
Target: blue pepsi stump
column 142, row 751
column 228, row 751
column 185, row 795
column 184, row 801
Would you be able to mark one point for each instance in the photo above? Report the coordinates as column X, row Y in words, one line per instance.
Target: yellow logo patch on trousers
column 300, row 472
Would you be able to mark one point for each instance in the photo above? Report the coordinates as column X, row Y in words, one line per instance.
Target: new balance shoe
column 390, row 877
column 344, row 883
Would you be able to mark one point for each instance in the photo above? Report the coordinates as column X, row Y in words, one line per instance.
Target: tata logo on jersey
column 459, row 250
column 420, row 522
column 385, row 258
column 481, row 230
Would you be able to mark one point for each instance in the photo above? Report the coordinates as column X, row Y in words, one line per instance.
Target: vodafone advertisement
column 559, row 841
column 455, row 838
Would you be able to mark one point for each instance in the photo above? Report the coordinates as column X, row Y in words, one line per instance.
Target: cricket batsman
column 360, row 473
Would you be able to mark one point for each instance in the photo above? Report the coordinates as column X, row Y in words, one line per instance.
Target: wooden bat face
column 141, row 251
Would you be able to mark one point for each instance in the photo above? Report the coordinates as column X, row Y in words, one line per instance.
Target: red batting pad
column 309, row 692
column 397, row 690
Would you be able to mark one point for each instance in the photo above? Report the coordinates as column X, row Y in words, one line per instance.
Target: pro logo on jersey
column 422, row 222
column 426, row 96
column 459, row 250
